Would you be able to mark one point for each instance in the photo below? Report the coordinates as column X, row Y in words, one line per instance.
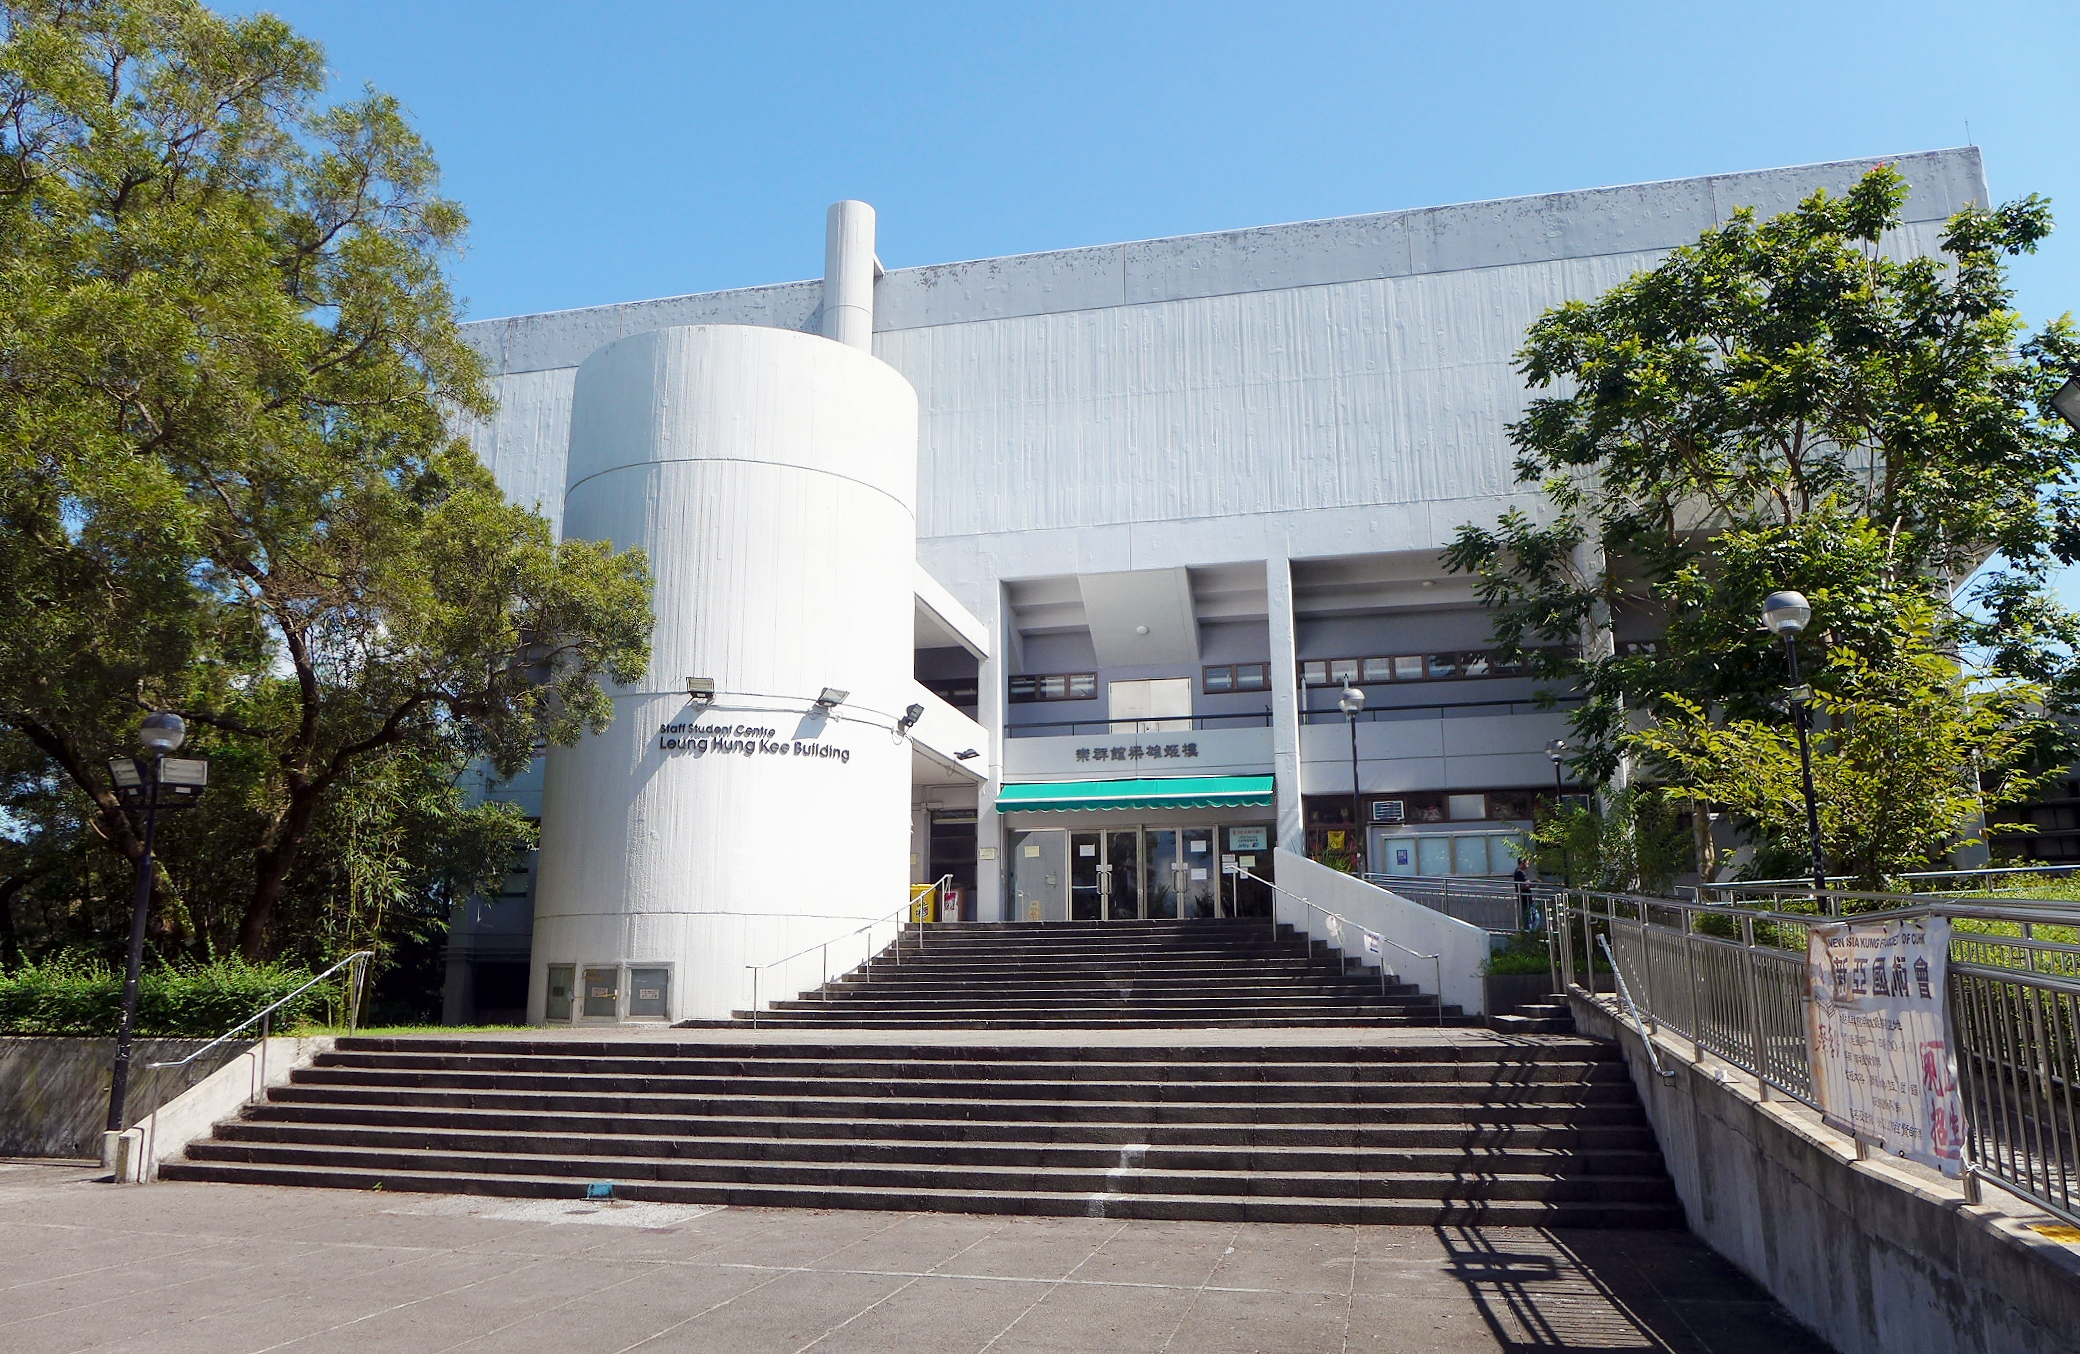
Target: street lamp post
column 1556, row 753
column 1785, row 615
column 149, row 785
column 1352, row 701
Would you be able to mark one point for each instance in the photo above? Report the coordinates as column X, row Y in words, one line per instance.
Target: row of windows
column 1405, row 668
column 1060, row 686
column 1227, row 677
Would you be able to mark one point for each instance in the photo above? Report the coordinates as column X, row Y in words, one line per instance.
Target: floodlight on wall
column 2066, row 401
column 832, row 695
column 968, row 756
column 701, row 688
column 1784, row 614
column 909, row 719
column 162, row 732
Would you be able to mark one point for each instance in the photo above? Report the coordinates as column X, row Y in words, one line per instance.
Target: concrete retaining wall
column 1872, row 1255
column 54, row 1089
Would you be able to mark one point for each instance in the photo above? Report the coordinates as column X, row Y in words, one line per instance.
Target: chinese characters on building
column 1138, row 752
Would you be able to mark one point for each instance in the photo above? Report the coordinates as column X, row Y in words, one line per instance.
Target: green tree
column 1906, row 761
column 1785, row 404
column 230, row 484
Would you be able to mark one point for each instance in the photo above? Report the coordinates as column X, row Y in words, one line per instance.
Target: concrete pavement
column 231, row 1269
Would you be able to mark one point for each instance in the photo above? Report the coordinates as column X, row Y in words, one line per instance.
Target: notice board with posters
column 1878, row 1028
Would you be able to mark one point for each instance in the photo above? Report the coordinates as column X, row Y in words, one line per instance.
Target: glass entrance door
column 1123, row 855
column 1199, row 875
column 1164, row 887
column 1086, row 896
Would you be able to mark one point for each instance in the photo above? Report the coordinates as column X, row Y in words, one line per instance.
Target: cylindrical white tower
column 771, row 477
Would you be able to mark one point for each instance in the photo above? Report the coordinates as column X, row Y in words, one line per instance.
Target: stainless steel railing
column 902, row 916
column 1732, row 980
column 1335, row 925
column 357, row 961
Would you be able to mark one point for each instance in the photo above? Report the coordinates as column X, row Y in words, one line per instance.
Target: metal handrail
column 1625, row 995
column 359, row 958
column 1436, row 960
column 902, row 917
column 1730, row 978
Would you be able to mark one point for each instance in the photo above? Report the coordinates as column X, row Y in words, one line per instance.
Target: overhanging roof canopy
column 1166, row 792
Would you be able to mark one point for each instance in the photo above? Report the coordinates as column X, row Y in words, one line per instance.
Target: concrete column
column 1285, row 704
column 848, row 275
column 989, row 712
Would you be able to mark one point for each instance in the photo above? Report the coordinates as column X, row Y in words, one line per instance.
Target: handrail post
column 1754, row 1006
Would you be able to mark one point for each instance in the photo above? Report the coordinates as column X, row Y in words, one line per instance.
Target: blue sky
column 614, row 152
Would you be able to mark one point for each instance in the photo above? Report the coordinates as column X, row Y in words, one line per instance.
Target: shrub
column 1525, row 953
column 74, row 995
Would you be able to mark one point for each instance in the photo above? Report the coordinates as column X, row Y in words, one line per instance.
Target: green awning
column 1166, row 792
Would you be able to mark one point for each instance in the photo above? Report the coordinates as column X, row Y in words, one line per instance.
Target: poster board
column 1878, row 1030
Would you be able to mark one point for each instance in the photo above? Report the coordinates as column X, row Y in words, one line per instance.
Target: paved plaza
column 172, row 1268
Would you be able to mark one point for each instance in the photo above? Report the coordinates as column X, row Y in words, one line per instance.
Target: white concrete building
column 1163, row 500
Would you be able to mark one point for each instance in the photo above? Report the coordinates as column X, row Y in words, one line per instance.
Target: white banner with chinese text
column 1879, row 1033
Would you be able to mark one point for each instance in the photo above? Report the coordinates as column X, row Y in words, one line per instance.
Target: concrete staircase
column 1551, row 1016
column 1108, row 975
column 1457, row 1127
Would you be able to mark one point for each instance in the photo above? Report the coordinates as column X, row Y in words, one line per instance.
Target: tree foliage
column 1788, row 404
column 1906, row 761
column 230, row 372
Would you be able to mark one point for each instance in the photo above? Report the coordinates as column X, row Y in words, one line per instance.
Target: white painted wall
column 1462, row 949
column 769, row 475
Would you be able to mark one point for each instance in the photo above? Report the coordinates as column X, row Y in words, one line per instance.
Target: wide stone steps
column 1424, row 1211
column 1436, row 1126
column 1103, row 1135
column 507, row 1141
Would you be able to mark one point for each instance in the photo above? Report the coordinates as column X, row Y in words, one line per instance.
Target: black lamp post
column 148, row 783
column 1785, row 615
column 1352, row 701
column 1556, row 753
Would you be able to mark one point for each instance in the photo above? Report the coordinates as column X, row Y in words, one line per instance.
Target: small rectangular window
column 1314, row 673
column 1072, row 686
column 1408, row 667
column 1473, row 665
column 1444, row 665
column 1343, row 671
column 1377, row 669
column 1219, row 681
column 1252, row 676
column 1466, row 807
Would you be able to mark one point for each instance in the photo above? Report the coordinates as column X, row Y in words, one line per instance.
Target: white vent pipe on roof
column 848, row 275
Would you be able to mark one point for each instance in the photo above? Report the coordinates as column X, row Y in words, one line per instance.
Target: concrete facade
column 1876, row 1257
column 1242, row 451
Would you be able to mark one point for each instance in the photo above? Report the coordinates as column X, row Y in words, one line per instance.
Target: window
column 1064, row 686
column 1227, row 677
column 1380, row 669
